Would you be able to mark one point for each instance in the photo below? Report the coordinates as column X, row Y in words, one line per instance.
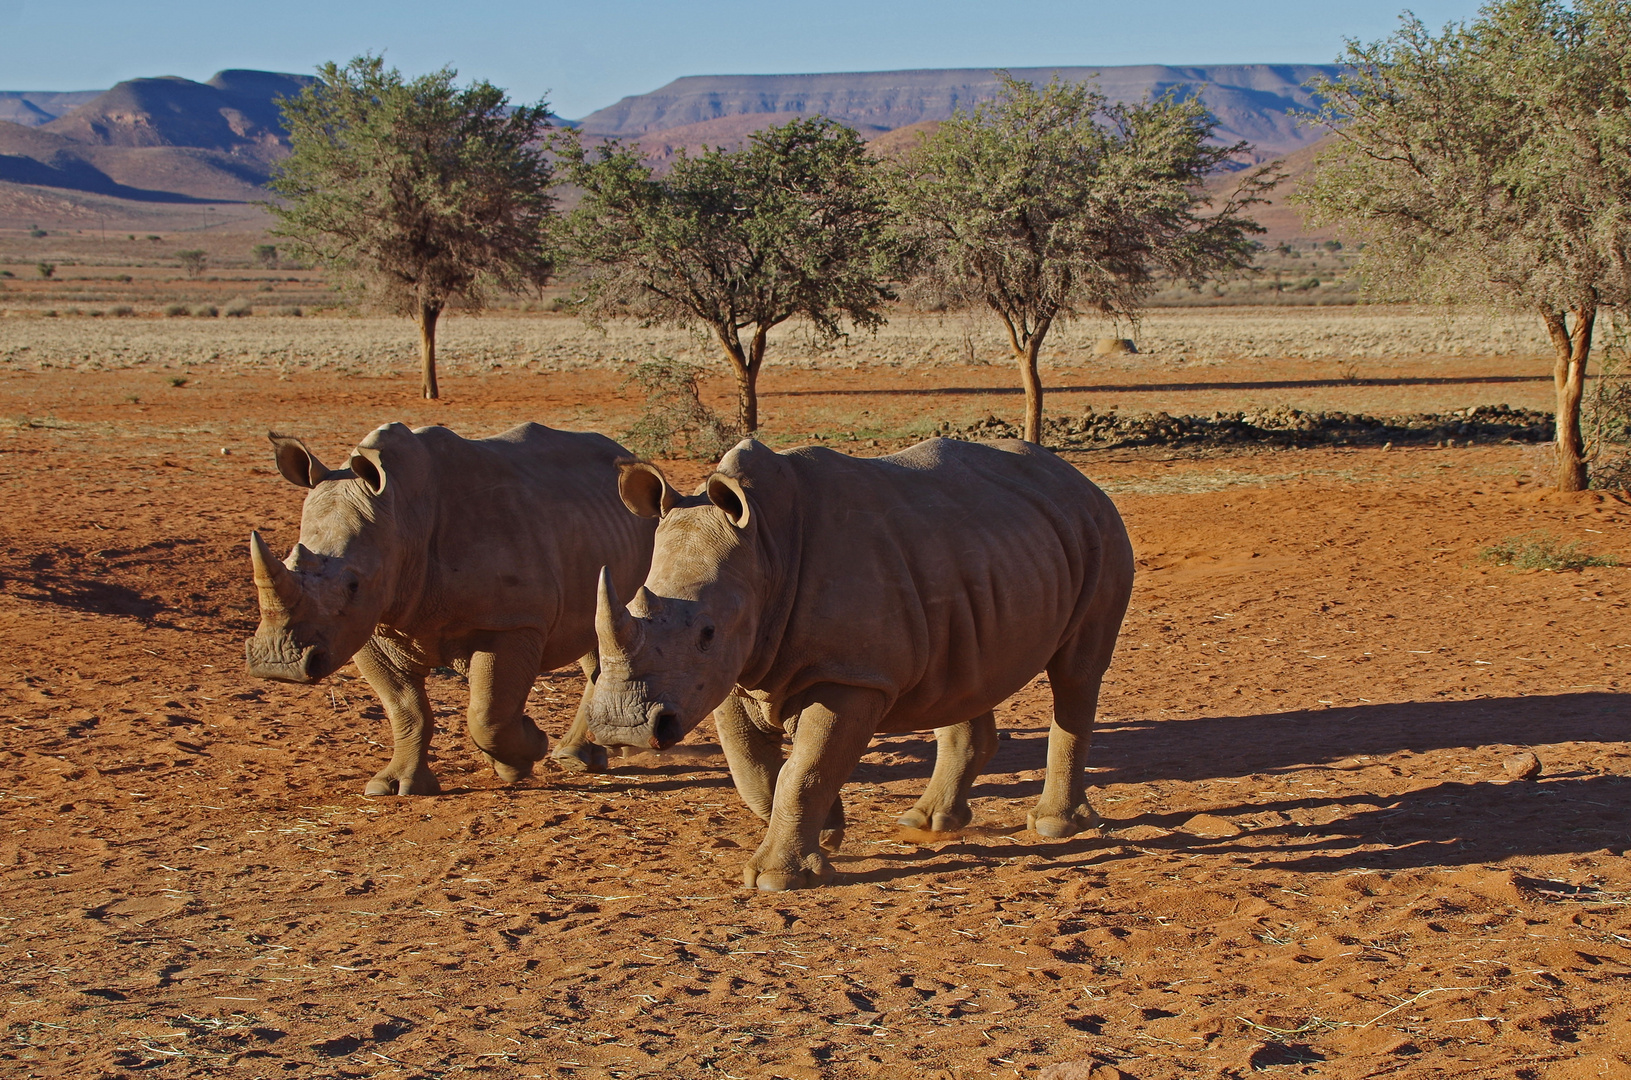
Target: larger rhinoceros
column 430, row 549
column 856, row 596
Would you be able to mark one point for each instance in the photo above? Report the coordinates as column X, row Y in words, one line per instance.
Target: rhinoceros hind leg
column 962, row 751
column 1075, row 673
column 500, row 679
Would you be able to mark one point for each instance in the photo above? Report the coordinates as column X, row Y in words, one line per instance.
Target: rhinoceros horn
column 617, row 629
column 279, row 591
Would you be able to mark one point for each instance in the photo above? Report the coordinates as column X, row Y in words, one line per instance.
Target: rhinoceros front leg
column 575, row 753
column 833, row 732
column 753, row 750
column 501, row 676
column 401, row 690
column 962, row 752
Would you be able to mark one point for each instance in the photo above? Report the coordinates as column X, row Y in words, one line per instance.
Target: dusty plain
column 1313, row 861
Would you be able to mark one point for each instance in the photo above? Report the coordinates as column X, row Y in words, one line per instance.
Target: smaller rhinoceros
column 432, row 550
column 856, row 596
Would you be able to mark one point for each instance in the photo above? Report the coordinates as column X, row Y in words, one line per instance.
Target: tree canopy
column 789, row 226
column 416, row 193
column 1491, row 163
column 1047, row 204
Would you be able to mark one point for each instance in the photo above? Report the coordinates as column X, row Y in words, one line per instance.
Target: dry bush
column 675, row 423
column 1540, row 550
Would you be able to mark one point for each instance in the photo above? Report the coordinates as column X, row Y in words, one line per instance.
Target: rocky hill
column 157, row 140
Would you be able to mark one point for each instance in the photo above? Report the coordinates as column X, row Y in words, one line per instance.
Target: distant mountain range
column 170, row 139
column 151, row 140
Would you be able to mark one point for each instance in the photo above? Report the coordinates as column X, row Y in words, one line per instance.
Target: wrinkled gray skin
column 432, row 550
column 855, row 596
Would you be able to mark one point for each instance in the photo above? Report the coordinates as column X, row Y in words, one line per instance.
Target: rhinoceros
column 855, row 596
column 429, row 549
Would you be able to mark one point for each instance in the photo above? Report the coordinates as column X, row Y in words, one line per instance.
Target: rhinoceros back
column 946, row 574
column 520, row 524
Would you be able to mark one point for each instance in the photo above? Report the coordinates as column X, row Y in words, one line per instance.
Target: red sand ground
column 1313, row 861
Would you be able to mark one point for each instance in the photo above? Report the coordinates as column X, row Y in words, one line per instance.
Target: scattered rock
column 1522, row 766
column 1210, row 825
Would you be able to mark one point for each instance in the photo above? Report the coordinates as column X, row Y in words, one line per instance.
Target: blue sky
column 588, row 54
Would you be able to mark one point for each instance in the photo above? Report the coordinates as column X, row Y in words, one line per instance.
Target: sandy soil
column 1314, row 862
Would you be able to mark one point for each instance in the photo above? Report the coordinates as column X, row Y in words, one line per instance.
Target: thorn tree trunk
column 1572, row 346
column 745, row 364
column 1027, row 347
column 426, row 318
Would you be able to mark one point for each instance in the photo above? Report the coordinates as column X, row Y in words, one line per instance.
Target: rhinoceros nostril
column 666, row 731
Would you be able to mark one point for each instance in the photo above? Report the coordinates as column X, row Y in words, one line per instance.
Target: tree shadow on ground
column 1214, row 747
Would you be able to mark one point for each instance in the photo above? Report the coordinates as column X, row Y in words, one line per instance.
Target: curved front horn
column 279, row 591
column 614, row 626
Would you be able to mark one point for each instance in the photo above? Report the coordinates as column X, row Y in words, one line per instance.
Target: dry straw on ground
column 373, row 345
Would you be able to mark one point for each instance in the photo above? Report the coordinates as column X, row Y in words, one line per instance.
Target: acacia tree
column 415, row 193
column 1044, row 205
column 1492, row 164
column 791, row 225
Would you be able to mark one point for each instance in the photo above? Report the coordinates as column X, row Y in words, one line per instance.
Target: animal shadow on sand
column 1482, row 817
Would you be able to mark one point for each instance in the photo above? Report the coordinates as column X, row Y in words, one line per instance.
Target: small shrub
column 96, row 313
column 125, row 278
column 121, row 311
column 178, row 381
column 50, row 313
column 193, row 260
column 175, row 311
column 264, row 254
column 239, row 308
column 7, row 273
column 288, row 310
column 675, row 422
column 206, row 311
column 153, row 238
column 46, row 269
column 72, row 311
column 1540, row 550
column 36, row 232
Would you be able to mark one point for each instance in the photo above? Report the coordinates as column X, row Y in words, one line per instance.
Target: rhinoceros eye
column 706, row 639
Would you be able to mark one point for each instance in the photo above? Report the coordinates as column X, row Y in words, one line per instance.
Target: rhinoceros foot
column 1057, row 827
column 510, row 774
column 404, row 780
column 583, row 758
column 812, row 872
column 953, row 819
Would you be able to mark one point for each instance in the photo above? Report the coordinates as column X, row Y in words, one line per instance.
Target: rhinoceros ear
column 644, row 489
column 369, row 468
column 296, row 462
column 726, row 492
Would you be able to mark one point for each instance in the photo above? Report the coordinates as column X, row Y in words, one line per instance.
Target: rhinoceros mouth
column 310, row 665
column 667, row 730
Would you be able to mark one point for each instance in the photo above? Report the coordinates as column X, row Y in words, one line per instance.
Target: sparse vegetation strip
column 1281, row 425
